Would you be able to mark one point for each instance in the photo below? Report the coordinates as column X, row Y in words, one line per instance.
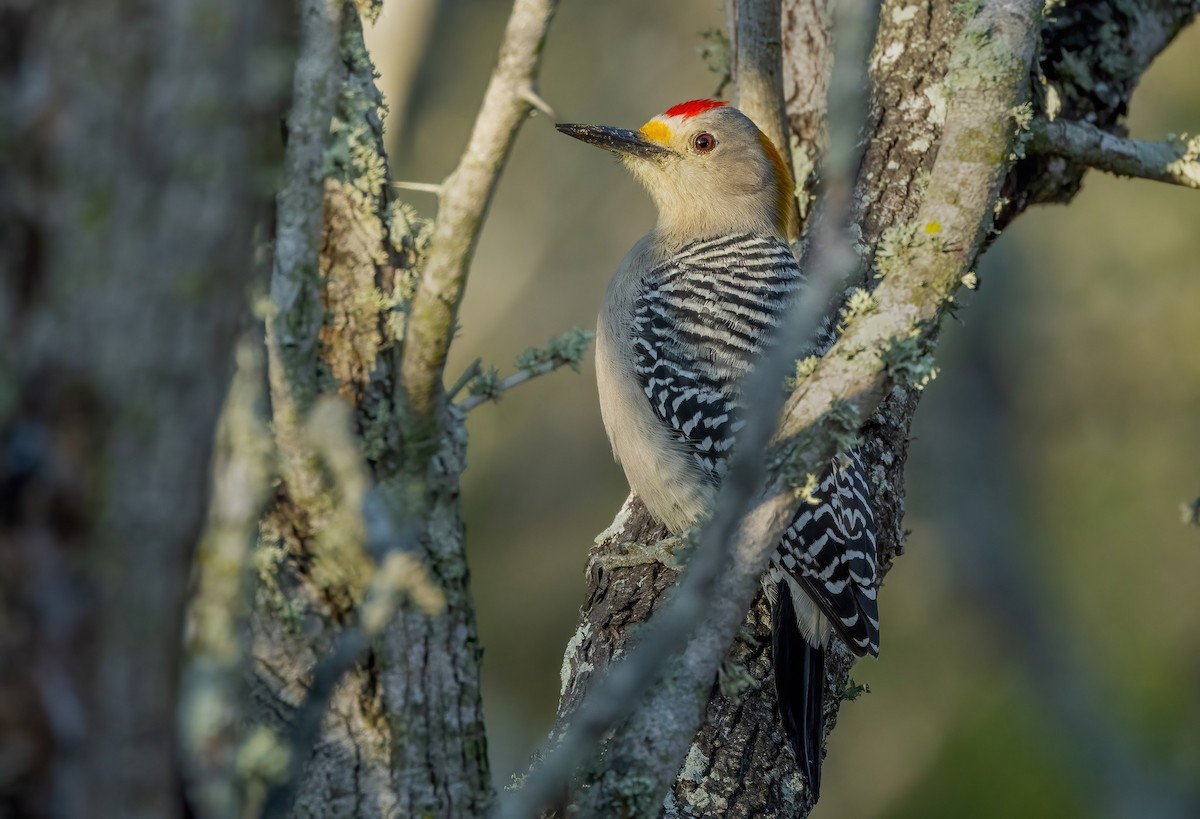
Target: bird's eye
column 704, row 142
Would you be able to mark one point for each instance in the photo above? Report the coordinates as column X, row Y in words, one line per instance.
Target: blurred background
column 1069, row 398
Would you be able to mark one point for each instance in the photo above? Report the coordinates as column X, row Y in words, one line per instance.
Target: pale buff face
column 708, row 169
column 702, row 189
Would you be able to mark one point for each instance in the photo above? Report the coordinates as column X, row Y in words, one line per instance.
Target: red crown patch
column 693, row 107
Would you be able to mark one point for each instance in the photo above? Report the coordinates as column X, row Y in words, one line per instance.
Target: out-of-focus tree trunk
column 138, row 150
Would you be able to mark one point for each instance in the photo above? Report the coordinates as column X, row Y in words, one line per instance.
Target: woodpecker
column 689, row 312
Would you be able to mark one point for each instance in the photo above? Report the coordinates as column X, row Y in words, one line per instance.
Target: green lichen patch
column 853, row 690
column 805, row 367
column 966, row 9
column 369, row 9
column 734, row 679
column 860, row 303
column 486, row 384
column 898, row 244
column 909, row 361
column 567, row 349
column 840, row 425
column 978, row 60
column 1022, row 117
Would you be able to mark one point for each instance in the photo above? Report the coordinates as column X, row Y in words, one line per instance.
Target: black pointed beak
column 617, row 140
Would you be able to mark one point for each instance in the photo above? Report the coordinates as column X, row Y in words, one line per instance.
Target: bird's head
column 709, row 169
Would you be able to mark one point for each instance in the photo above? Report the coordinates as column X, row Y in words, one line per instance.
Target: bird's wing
column 829, row 550
column 701, row 320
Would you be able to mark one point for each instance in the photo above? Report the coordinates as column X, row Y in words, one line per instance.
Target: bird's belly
column 659, row 470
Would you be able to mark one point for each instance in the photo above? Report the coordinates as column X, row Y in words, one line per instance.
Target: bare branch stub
column 1174, row 161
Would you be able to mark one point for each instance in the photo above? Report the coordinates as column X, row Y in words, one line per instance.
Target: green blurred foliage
column 1087, row 314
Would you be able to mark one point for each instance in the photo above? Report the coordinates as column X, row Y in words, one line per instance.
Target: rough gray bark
column 364, row 298
column 132, row 178
column 738, row 765
column 400, row 737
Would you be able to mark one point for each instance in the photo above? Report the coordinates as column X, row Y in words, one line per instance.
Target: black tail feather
column 799, row 687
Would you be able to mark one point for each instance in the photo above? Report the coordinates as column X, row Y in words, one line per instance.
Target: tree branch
column 399, row 726
column 1175, row 160
column 566, row 350
column 808, row 65
column 1115, row 41
column 756, row 61
column 300, row 206
column 464, row 201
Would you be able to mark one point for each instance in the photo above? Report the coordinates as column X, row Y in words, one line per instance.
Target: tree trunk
column 133, row 176
column 739, row 764
column 355, row 295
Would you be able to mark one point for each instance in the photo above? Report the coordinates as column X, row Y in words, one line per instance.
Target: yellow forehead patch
column 656, row 131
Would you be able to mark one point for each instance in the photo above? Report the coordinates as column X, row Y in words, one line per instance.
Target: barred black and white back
column 701, row 320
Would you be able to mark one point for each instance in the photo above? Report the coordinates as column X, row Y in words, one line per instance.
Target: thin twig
column 424, row 187
column 1175, row 160
column 519, row 377
column 464, row 201
column 469, row 374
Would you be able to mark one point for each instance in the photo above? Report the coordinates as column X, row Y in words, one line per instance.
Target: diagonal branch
column 464, row 201
column 1175, row 160
column 921, row 264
